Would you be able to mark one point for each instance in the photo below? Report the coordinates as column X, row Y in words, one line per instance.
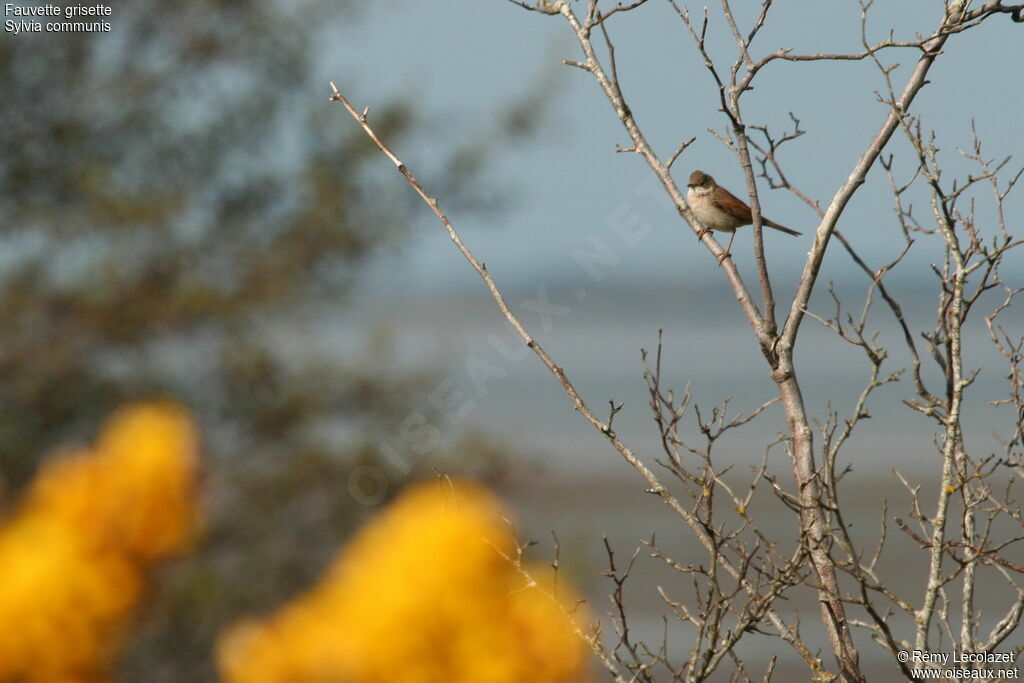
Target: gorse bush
column 75, row 553
column 425, row 593
column 431, row 590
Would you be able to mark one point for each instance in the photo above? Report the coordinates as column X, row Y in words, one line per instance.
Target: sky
column 461, row 62
column 569, row 193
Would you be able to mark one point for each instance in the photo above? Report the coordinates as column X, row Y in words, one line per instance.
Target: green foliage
column 179, row 204
column 159, row 209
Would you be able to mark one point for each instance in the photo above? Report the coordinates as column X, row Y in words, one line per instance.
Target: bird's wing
column 727, row 202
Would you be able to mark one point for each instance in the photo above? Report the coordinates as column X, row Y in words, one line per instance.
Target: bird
column 719, row 209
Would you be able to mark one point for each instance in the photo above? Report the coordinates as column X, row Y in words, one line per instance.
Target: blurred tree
column 176, row 212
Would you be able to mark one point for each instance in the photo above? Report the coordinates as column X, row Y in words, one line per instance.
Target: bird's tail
column 773, row 224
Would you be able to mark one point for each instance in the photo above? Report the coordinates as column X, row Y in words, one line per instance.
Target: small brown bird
column 719, row 209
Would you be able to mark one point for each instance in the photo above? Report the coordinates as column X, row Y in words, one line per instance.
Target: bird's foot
column 724, row 255
column 702, row 232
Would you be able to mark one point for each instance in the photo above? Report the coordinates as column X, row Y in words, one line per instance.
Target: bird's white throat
column 701, row 191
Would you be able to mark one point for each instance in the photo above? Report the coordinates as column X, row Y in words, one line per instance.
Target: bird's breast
column 708, row 213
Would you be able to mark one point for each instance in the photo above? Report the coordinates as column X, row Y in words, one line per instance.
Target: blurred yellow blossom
column 73, row 555
column 424, row 594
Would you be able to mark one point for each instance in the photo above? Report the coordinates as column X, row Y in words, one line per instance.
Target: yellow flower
column 74, row 554
column 135, row 491
column 424, row 594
